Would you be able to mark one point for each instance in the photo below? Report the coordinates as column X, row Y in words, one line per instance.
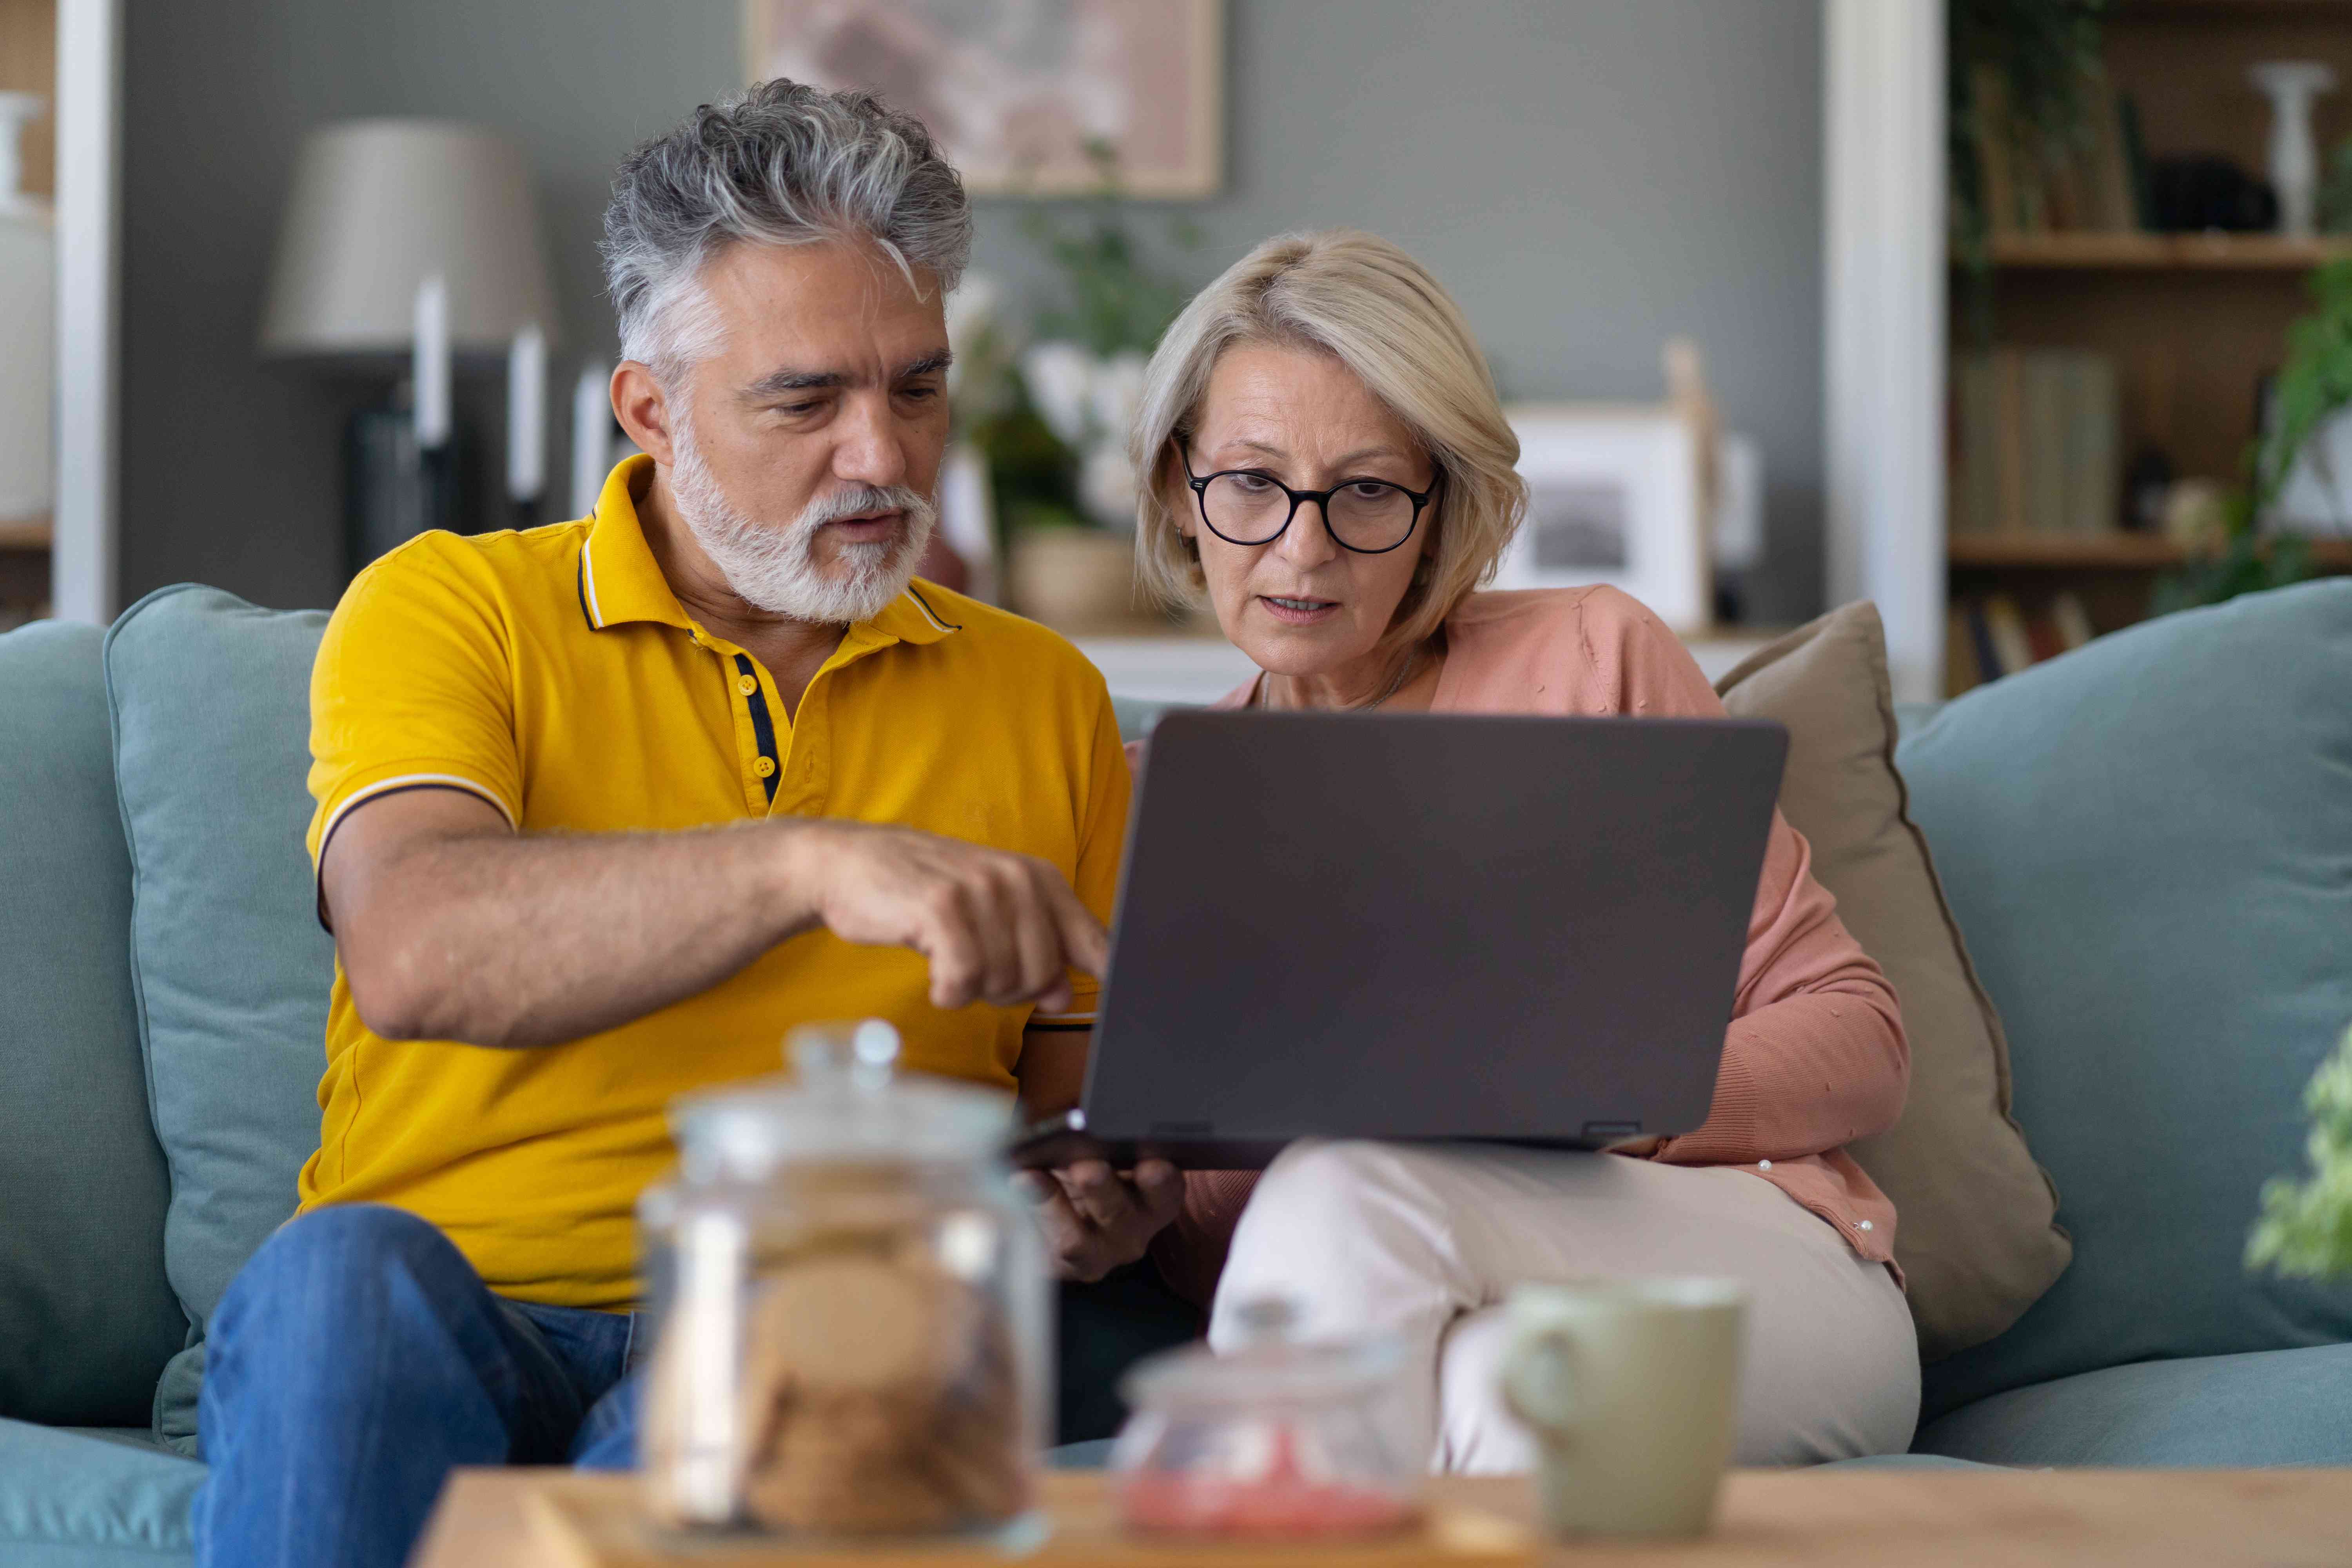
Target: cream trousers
column 1423, row 1242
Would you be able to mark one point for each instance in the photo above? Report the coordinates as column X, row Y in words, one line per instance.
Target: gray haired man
column 522, row 744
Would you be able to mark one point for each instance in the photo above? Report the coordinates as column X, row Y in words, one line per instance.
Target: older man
column 603, row 808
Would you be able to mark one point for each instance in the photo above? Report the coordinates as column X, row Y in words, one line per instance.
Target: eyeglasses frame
column 1200, row 484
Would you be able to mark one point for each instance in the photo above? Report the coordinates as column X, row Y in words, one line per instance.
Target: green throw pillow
column 2148, row 843
column 210, row 698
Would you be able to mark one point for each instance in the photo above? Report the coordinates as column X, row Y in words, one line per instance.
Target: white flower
column 973, row 313
column 1060, row 378
column 1106, row 486
column 1117, row 393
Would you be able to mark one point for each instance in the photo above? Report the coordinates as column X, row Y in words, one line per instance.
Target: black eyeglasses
column 1249, row 506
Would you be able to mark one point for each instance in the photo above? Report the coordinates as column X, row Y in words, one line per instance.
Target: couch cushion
column 73, row 1499
column 2148, row 841
column 210, row 699
column 1974, row 1233
column 2264, row 1407
column 85, row 1315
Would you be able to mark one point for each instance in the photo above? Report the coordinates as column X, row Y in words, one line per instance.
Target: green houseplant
column 2305, row 1229
column 2314, row 385
column 2019, row 71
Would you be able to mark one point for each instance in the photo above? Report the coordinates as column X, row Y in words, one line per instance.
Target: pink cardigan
column 1815, row 1056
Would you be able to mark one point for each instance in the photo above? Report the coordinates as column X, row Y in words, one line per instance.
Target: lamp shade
column 379, row 205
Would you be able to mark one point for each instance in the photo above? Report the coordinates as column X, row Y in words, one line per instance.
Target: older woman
column 1326, row 459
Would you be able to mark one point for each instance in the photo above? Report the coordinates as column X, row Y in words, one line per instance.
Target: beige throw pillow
column 1976, row 1232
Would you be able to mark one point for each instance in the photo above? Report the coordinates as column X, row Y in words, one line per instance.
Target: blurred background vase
column 1077, row 580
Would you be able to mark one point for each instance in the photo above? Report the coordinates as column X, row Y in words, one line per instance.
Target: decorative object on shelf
column 2197, row 514
column 1077, row 580
column 415, row 237
column 28, row 327
column 1018, row 94
column 2146, row 484
column 2294, row 88
column 1613, row 497
column 2305, row 1229
column 2199, row 193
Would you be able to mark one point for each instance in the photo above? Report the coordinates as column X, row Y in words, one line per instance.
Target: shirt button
column 765, row 766
column 1863, row 1225
column 747, row 685
column 1763, row 1164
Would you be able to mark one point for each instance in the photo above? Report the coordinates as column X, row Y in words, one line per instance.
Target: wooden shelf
column 2166, row 252
column 35, row 535
column 2099, row 553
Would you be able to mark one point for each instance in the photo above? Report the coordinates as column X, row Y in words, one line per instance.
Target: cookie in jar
column 852, row 1306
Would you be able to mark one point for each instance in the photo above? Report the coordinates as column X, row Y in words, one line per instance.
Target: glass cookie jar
column 851, row 1307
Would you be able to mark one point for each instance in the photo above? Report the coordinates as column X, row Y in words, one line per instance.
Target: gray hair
column 778, row 163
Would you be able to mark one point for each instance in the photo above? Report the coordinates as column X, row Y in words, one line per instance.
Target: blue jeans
column 356, row 1361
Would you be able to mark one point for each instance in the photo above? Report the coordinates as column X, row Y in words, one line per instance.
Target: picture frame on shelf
column 1613, row 497
column 1023, row 98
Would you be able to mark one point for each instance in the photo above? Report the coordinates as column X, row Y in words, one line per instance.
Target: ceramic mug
column 1631, row 1388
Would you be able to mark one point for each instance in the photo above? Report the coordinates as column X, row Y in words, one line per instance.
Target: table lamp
column 415, row 237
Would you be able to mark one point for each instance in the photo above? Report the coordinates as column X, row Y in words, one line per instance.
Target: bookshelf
column 2191, row 323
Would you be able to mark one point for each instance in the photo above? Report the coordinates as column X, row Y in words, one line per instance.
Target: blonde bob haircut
column 1360, row 300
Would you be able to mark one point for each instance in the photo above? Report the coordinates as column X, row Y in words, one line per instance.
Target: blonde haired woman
column 1326, row 460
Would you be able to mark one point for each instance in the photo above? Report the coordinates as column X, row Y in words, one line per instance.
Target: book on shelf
column 1987, row 637
column 2037, row 442
column 2030, row 184
column 2012, row 649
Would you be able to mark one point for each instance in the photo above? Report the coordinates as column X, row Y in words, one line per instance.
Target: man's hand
column 999, row 928
column 1094, row 1219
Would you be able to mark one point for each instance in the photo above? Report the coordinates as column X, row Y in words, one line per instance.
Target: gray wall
column 1589, row 178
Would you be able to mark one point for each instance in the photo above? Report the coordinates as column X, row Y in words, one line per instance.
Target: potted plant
column 1055, row 435
column 2305, row 1229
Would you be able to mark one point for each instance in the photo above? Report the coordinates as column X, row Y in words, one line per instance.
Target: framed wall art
column 1613, row 497
column 1021, row 94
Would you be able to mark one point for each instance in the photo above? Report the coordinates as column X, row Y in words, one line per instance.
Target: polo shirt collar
column 620, row 581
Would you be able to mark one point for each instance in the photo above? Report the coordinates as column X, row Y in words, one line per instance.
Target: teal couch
column 2148, row 844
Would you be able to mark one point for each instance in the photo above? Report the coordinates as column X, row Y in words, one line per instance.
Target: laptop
column 1422, row 926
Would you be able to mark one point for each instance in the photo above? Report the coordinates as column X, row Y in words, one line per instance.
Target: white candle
column 431, row 369
column 591, row 435
column 527, row 414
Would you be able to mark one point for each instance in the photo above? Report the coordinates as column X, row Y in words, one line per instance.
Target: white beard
column 776, row 568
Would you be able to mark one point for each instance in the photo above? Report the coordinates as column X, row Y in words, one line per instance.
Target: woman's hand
column 1095, row 1219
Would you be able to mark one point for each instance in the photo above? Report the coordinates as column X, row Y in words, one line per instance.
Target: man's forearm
column 532, row 940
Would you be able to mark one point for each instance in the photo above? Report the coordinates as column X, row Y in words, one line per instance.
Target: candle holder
column 413, row 245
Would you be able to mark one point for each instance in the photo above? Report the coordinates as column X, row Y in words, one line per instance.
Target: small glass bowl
column 1275, row 1440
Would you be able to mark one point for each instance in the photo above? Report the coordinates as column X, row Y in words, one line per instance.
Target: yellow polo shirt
column 553, row 673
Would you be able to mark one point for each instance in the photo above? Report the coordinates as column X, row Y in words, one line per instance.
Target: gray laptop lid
column 1428, row 926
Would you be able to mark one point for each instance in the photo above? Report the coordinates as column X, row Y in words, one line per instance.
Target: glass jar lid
column 1269, row 1368
column 843, row 1103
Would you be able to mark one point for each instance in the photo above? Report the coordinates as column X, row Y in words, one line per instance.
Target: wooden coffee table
column 1769, row 1519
